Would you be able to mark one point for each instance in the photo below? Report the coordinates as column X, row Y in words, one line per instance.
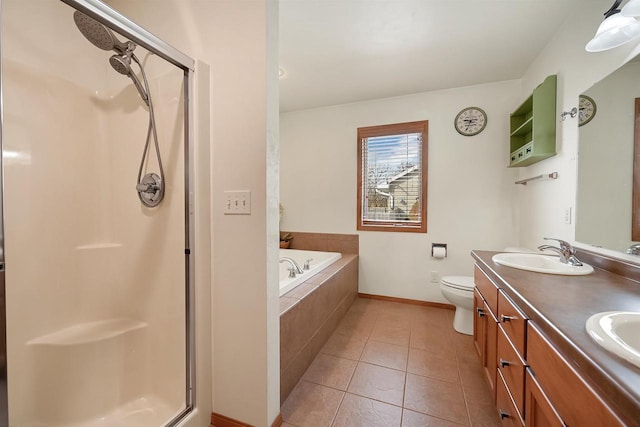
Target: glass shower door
column 96, row 282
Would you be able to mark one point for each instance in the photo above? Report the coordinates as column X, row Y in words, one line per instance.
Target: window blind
column 392, row 179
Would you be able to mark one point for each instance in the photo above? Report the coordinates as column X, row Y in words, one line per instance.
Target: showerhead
column 122, row 64
column 103, row 38
column 98, row 34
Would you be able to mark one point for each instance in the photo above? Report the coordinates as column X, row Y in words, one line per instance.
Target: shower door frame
column 121, row 24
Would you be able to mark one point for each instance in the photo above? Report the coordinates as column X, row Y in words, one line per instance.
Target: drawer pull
column 504, row 318
column 480, row 311
column 504, row 363
column 503, row 414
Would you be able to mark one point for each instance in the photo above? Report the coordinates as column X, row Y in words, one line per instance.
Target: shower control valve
column 150, row 190
column 147, row 188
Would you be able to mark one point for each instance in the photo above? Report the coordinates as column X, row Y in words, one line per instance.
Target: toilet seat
column 463, row 283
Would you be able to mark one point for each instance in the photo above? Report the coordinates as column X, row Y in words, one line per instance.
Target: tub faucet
column 295, row 268
column 566, row 251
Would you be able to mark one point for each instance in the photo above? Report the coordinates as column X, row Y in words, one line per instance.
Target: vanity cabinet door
column 574, row 400
column 491, row 361
column 485, row 329
column 479, row 324
column 539, row 410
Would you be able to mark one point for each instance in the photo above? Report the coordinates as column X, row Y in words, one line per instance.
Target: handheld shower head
column 98, row 34
column 122, row 64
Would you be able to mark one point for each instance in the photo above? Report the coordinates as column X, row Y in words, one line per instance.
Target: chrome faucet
column 634, row 249
column 566, row 251
column 306, row 264
column 295, row 268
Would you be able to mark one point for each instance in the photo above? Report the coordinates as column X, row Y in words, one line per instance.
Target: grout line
column 333, row 420
column 404, row 395
column 374, row 399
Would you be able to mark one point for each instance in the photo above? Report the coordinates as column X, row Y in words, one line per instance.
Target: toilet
column 458, row 290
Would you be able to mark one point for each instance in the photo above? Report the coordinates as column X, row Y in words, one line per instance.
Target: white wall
column 542, row 204
column 470, row 189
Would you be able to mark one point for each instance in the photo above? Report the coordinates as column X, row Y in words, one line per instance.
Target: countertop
column 560, row 306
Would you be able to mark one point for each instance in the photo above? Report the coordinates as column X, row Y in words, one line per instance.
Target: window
column 392, row 177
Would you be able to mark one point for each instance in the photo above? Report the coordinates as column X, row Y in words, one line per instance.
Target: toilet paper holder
column 439, row 245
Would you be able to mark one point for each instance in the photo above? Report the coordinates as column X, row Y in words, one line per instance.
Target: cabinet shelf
column 533, row 126
column 524, row 128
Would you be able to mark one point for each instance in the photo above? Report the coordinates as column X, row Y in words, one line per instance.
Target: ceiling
column 341, row 51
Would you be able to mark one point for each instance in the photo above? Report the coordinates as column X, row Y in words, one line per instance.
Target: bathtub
column 319, row 260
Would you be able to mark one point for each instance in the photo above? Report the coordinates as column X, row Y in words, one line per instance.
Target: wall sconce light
column 617, row 28
column 572, row 113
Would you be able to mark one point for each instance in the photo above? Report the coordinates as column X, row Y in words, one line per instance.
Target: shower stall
column 96, row 248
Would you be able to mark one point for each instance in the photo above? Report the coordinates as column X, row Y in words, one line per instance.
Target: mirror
column 606, row 162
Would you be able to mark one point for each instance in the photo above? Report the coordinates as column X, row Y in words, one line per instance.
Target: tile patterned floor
column 393, row 365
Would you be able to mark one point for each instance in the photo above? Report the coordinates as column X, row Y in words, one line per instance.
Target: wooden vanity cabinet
column 542, row 373
column 485, row 326
column 556, row 394
column 533, row 385
column 500, row 339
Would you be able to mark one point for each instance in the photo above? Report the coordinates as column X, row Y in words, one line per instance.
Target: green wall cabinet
column 533, row 126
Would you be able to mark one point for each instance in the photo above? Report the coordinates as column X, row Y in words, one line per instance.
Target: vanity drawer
column 487, row 289
column 513, row 322
column 506, row 408
column 574, row 400
column 511, row 367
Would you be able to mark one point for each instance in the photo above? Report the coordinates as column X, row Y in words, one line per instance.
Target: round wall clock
column 470, row 121
column 586, row 110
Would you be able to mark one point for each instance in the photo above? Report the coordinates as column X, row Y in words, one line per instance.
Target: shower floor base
column 142, row 412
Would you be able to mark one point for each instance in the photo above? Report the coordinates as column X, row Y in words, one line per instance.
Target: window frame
column 421, row 127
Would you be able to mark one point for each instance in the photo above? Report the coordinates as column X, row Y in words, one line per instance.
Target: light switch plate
column 237, row 202
column 567, row 215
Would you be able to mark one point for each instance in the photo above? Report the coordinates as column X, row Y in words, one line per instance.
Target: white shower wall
column 79, row 246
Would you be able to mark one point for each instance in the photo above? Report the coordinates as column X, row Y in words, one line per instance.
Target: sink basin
column 540, row 263
column 617, row 332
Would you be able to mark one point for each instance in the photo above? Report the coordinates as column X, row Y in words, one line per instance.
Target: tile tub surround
column 325, row 242
column 310, row 313
column 391, row 364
